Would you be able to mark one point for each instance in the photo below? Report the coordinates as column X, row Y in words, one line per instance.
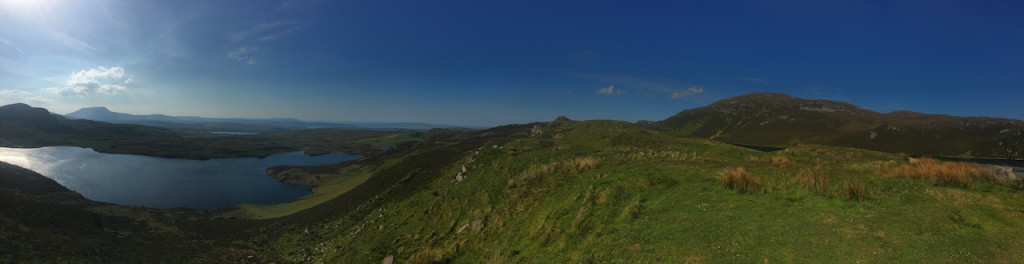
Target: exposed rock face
column 646, row 123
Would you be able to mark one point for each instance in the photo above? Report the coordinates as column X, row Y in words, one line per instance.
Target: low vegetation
column 567, row 191
column 947, row 173
column 738, row 179
column 814, row 182
column 604, row 191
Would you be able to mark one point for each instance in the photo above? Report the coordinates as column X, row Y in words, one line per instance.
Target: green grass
column 644, row 196
column 594, row 191
column 322, row 193
column 391, row 140
column 329, row 182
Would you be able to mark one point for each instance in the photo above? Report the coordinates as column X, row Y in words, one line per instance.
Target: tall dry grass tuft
column 856, row 191
column 537, row 171
column 946, row 173
column 782, row 161
column 582, row 164
column 430, row 255
column 739, row 179
column 816, row 182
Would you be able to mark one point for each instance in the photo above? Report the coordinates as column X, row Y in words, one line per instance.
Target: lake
column 136, row 180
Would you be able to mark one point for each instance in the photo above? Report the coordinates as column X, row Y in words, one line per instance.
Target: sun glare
column 25, row 7
column 19, row 4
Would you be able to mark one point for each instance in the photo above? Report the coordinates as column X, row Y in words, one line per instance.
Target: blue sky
column 483, row 63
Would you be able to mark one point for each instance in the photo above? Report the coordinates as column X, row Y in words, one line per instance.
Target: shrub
column 738, row 179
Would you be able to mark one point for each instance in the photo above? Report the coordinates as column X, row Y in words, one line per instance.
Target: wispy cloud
column 693, row 90
column 647, row 87
column 73, row 43
column 295, row 3
column 38, row 100
column 263, row 32
column 99, row 80
column 243, row 54
column 751, row 79
column 276, row 35
column 266, row 31
column 610, row 90
column 12, row 45
column 13, row 92
column 818, row 89
column 589, row 54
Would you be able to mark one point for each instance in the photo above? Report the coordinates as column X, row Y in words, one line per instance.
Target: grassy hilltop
column 771, row 119
column 608, row 191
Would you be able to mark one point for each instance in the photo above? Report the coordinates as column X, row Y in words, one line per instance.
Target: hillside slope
column 780, row 120
column 43, row 222
column 609, row 191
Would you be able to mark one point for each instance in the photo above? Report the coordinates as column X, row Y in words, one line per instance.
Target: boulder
column 1006, row 172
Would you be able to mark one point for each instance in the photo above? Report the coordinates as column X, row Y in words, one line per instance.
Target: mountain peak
column 94, row 113
column 24, row 112
column 95, row 108
column 769, row 119
column 15, row 106
column 763, row 102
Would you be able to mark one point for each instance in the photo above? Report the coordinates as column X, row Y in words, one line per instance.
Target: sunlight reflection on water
column 162, row 182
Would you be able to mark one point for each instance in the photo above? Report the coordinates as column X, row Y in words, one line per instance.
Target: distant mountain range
column 763, row 119
column 24, row 126
column 771, row 119
column 229, row 124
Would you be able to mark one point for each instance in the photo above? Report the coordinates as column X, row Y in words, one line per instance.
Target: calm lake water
column 164, row 183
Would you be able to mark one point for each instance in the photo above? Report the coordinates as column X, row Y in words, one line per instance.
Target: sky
column 487, row 63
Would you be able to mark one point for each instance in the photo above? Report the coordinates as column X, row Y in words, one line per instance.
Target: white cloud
column 38, row 100
column 610, row 90
column 129, row 81
column 13, row 92
column 99, row 80
column 693, row 90
column 243, row 54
